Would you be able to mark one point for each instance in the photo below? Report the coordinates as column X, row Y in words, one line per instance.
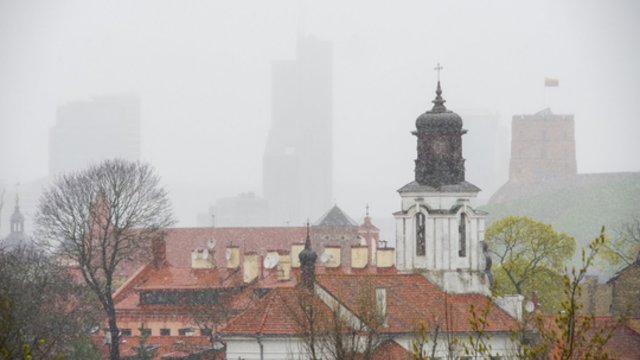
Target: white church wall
column 500, row 344
column 273, row 348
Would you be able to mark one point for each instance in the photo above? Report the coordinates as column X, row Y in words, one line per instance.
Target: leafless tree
column 625, row 248
column 214, row 307
column 101, row 218
column 430, row 334
column 331, row 332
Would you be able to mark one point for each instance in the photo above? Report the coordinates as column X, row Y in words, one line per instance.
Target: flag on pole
column 550, row 82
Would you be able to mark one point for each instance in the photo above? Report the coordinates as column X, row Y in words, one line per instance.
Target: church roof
column 439, row 118
column 411, row 298
column 335, row 217
column 461, row 187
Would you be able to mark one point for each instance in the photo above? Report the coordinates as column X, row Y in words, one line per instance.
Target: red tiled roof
column 391, row 350
column 624, row 343
column 169, row 277
column 181, row 241
column 167, row 345
column 277, row 313
column 411, row 298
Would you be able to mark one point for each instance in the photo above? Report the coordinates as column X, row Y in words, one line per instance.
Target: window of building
column 421, row 248
column 125, row 332
column 186, row 332
column 462, row 236
column 165, row 332
column 145, row 332
column 205, row 332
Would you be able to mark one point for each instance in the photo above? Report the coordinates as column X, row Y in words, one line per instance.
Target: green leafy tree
column 573, row 335
column 530, row 256
column 624, row 248
column 565, row 335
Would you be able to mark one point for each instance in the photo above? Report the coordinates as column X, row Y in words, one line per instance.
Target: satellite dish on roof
column 325, row 257
column 211, row 243
column 271, row 260
column 227, row 254
column 529, row 306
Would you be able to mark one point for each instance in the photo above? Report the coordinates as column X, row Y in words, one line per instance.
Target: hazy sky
column 202, row 70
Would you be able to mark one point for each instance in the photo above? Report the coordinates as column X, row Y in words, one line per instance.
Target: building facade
column 87, row 132
column 542, row 146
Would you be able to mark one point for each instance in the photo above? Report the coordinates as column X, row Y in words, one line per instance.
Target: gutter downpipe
column 259, row 339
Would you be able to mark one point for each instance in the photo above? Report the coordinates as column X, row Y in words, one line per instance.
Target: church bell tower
column 438, row 233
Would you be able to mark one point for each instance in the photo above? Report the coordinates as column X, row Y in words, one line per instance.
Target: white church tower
column 438, row 233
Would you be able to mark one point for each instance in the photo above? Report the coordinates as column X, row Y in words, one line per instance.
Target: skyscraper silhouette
column 297, row 165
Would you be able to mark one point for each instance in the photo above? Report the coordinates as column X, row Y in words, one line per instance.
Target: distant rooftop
column 335, row 217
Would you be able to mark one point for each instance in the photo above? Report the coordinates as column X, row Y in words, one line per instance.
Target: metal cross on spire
column 438, row 68
column 17, row 193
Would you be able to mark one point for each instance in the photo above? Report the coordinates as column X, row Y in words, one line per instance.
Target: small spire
column 17, row 196
column 367, row 210
column 438, row 102
column 307, row 263
column 307, row 242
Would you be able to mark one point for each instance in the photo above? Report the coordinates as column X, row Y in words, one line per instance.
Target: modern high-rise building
column 90, row 131
column 297, row 165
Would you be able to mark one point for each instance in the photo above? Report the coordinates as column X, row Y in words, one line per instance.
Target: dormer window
column 462, row 236
column 420, row 235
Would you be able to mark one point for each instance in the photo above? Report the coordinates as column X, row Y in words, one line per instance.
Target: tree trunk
column 114, row 350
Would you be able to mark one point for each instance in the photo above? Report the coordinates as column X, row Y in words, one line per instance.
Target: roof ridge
column 266, row 311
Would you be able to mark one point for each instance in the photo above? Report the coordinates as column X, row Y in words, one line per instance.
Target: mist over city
column 280, row 128
column 202, row 74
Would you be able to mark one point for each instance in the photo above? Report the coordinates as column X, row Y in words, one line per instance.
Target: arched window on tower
column 420, row 235
column 462, row 236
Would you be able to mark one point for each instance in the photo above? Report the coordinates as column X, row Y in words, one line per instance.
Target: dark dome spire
column 439, row 133
column 439, row 118
column 308, row 259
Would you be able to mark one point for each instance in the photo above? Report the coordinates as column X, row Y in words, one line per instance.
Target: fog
column 202, row 72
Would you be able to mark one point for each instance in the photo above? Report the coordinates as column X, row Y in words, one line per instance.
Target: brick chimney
column 159, row 252
column 359, row 256
column 250, row 267
column 232, row 255
column 284, row 266
column 386, row 257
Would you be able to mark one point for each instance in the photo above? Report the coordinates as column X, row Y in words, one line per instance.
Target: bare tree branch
column 102, row 217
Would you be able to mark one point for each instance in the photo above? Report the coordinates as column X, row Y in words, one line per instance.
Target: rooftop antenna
column 271, row 260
